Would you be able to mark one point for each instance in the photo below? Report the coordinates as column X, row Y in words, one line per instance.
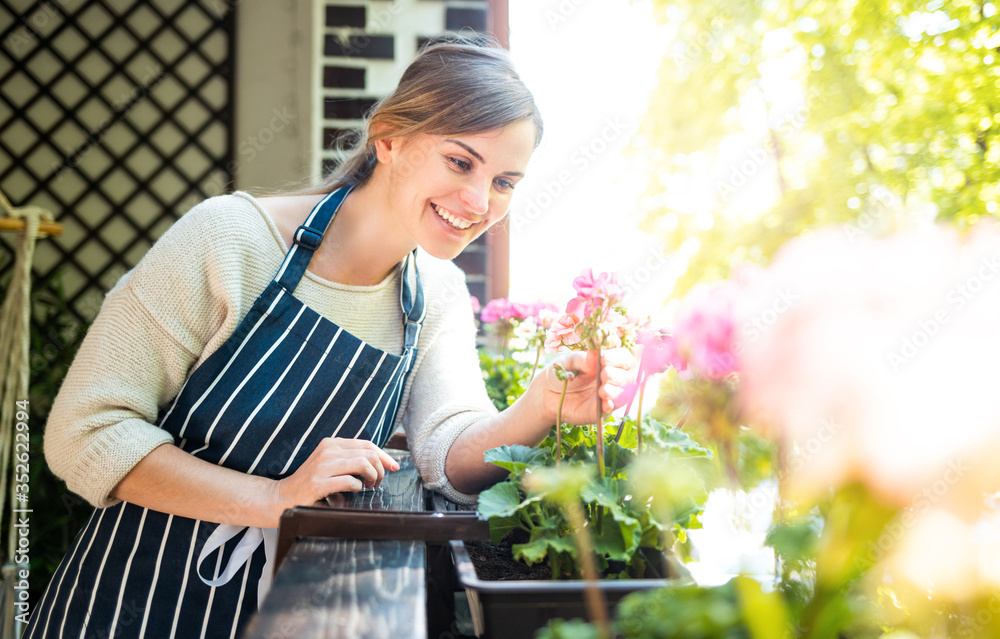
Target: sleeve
column 448, row 393
column 151, row 329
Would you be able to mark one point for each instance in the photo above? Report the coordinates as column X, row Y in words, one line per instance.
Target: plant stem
column 538, row 356
column 638, row 422
column 562, row 396
column 600, row 419
column 596, row 605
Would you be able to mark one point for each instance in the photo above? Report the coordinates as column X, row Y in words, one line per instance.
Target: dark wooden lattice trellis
column 117, row 116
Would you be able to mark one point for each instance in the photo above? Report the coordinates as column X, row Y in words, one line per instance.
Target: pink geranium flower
column 580, row 306
column 563, row 334
column 603, row 287
column 705, row 332
column 503, row 310
column 659, row 352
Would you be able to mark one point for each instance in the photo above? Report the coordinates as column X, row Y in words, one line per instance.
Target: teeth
column 457, row 223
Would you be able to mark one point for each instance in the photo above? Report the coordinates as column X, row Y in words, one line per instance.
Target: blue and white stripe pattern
column 285, row 379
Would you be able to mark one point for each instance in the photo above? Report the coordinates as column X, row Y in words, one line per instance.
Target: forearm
column 525, row 423
column 532, row 416
column 173, row 481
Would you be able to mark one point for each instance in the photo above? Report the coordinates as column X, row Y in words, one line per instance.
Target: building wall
column 325, row 64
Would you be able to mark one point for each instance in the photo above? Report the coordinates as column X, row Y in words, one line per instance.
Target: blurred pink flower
column 659, row 352
column 538, row 309
column 545, row 315
column 875, row 361
column 475, row 304
column 705, row 332
column 502, row 309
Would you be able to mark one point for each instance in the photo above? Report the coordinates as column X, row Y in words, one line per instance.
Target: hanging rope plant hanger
column 33, row 222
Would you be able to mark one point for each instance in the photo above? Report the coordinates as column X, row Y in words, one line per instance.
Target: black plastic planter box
column 507, row 609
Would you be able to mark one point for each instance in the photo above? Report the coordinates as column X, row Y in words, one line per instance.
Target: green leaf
column 500, row 526
column 764, row 613
column 562, row 484
column 796, row 540
column 515, row 458
column 500, row 500
column 616, row 458
column 620, row 535
column 572, row 629
column 603, row 491
column 660, row 436
column 538, row 547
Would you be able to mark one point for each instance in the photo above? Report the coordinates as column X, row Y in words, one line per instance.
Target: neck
column 363, row 246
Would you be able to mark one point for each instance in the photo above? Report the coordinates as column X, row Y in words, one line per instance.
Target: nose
column 477, row 198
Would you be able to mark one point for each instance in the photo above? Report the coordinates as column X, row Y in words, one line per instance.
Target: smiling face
column 445, row 191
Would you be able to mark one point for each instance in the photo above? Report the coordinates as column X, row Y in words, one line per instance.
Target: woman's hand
column 580, row 404
column 331, row 468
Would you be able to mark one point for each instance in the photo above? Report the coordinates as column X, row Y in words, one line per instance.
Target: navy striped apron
column 285, row 379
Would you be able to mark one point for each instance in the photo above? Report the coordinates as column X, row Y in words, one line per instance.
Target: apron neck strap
column 411, row 302
column 307, row 239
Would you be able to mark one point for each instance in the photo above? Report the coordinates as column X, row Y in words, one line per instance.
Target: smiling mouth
column 455, row 222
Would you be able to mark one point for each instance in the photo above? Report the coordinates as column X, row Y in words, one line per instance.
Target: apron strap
column 412, row 303
column 242, row 554
column 307, row 239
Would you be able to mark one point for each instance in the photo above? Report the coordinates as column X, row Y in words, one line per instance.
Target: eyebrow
column 476, row 155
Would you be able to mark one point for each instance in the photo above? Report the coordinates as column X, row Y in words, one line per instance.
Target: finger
column 359, row 465
column 618, row 358
column 387, row 461
column 610, row 392
column 342, row 484
column 616, row 376
column 376, row 461
column 584, row 363
column 363, row 444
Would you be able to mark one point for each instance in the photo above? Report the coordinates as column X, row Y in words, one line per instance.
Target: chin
column 443, row 252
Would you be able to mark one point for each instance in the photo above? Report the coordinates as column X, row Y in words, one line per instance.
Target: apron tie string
column 244, row 550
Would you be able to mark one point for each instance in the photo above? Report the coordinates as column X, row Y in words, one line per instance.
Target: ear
column 387, row 145
column 385, row 149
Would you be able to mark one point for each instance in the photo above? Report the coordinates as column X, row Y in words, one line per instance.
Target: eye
column 505, row 185
column 461, row 164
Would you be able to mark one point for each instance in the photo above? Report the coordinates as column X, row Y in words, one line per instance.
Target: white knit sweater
column 186, row 297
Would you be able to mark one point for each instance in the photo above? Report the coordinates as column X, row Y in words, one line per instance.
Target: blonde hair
column 451, row 88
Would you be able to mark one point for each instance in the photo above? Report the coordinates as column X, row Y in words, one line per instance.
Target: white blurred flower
column 942, row 553
column 731, row 539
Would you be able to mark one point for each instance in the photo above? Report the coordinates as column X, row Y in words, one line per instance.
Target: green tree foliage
column 775, row 116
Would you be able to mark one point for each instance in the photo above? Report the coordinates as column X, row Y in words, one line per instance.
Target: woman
column 199, row 408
